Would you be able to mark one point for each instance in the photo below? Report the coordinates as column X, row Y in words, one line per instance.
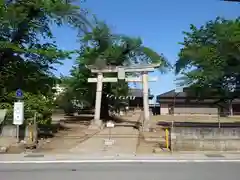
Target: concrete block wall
column 205, row 139
column 196, row 110
column 11, row 131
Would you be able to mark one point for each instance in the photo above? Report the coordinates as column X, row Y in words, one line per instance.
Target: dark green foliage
column 101, row 48
column 28, row 52
column 210, row 58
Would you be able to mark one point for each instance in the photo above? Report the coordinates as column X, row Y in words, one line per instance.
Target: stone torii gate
column 121, row 70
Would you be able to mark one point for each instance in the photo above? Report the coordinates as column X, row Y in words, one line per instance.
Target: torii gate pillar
column 98, row 98
column 121, row 75
column 145, row 96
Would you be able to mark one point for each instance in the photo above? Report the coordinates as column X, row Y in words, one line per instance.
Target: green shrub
column 33, row 104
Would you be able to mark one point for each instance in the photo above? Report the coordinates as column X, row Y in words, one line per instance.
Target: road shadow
column 120, row 122
column 117, row 119
column 134, row 126
column 85, row 119
column 49, row 131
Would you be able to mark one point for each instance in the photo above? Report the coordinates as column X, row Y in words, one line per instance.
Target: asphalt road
column 121, row 171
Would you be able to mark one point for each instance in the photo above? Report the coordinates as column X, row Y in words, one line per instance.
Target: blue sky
column 159, row 23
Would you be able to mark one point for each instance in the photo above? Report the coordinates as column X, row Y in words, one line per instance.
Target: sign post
column 18, row 112
column 109, row 141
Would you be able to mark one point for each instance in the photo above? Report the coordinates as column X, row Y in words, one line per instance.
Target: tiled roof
column 172, row 93
column 171, row 96
column 137, row 93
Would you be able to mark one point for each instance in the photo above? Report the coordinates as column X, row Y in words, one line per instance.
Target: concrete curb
column 93, row 157
column 123, row 161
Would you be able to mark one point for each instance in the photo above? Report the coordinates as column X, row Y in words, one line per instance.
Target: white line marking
column 123, row 161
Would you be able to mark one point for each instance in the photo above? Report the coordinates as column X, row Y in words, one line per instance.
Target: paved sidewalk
column 125, row 139
column 6, row 142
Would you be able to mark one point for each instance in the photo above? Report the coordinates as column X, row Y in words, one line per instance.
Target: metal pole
column 34, row 129
column 17, row 134
column 167, row 138
column 17, row 130
column 110, row 132
column 171, row 137
column 219, row 123
column 98, row 97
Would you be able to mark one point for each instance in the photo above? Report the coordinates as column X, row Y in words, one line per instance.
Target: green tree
column 33, row 103
column 28, row 51
column 26, row 60
column 210, row 59
column 101, row 48
column 232, row 0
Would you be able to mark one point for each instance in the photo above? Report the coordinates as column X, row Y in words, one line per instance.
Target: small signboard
column 109, row 142
column 121, row 73
column 18, row 113
column 19, row 94
column 121, row 113
column 110, row 124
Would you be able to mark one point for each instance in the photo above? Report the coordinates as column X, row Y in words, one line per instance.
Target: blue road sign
column 19, row 93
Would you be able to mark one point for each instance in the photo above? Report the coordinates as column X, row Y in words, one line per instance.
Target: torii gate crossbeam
column 121, row 75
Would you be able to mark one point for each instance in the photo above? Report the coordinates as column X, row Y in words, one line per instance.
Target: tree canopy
column 101, row 48
column 210, row 58
column 28, row 51
column 26, row 60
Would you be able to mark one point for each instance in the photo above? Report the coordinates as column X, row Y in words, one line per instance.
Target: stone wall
column 195, row 110
column 11, row 131
column 205, row 139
